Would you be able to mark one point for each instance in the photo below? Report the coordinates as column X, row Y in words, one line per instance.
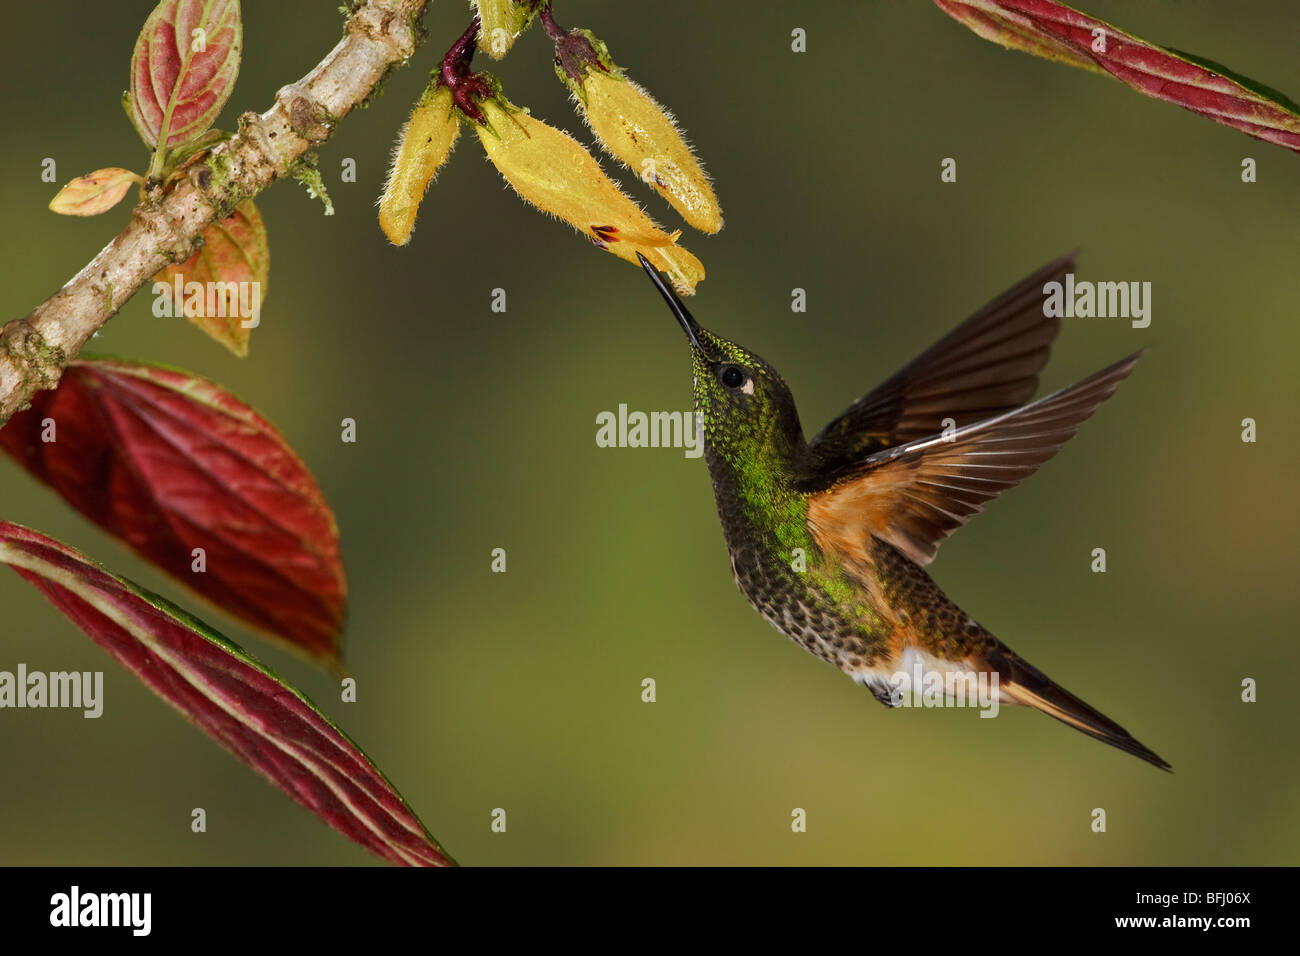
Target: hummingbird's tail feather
column 1027, row 685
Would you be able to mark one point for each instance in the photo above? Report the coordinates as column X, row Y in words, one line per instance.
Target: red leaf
column 1055, row 31
column 229, row 696
column 234, row 252
column 168, row 462
column 183, row 68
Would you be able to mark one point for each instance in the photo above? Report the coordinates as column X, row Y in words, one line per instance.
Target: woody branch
column 166, row 227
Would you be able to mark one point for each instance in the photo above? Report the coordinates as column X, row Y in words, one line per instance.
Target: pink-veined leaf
column 183, row 69
column 230, row 273
column 228, row 695
column 170, row 463
column 93, row 193
column 1053, row 30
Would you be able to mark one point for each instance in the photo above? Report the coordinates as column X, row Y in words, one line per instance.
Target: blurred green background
column 476, row 431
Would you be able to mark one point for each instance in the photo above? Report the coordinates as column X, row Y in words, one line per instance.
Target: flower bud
column 556, row 174
column 426, row 141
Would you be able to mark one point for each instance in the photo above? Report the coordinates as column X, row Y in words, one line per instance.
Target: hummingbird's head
column 749, row 414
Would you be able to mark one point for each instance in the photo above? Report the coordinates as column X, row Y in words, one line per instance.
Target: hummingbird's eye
column 731, row 376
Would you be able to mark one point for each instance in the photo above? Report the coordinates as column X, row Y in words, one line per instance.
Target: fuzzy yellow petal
column 426, row 141
column 639, row 132
column 501, row 23
column 552, row 170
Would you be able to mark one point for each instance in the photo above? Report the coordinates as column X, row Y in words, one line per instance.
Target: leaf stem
column 157, row 165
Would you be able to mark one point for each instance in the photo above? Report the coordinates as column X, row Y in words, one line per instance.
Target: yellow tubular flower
column 636, row 130
column 502, row 22
column 426, row 141
column 551, row 170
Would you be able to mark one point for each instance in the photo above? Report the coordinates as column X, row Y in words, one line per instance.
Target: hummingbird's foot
column 885, row 691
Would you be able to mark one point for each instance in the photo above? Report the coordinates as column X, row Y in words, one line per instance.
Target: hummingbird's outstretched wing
column 915, row 495
column 985, row 366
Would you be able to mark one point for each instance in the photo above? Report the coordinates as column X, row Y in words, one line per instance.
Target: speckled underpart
column 807, row 617
column 864, row 625
column 800, row 605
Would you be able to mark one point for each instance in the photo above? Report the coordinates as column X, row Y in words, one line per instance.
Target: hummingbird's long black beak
column 688, row 322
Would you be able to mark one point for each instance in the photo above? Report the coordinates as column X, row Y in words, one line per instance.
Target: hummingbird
column 829, row 539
